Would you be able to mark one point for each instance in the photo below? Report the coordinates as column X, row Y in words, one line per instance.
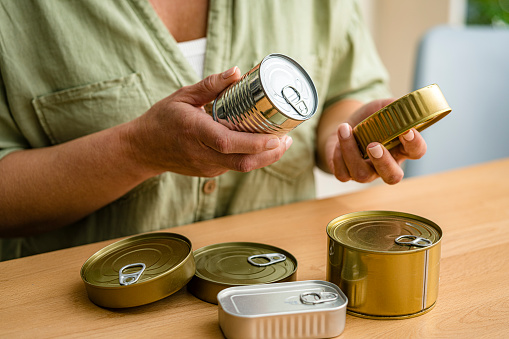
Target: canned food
column 274, row 97
column 387, row 263
column 138, row 270
column 224, row 265
column 300, row 309
column 419, row 109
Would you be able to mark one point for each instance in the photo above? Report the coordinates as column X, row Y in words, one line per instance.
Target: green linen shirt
column 71, row 68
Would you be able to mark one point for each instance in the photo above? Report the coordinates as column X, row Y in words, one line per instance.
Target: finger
column 385, row 165
column 413, row 144
column 340, row 170
column 209, row 88
column 226, row 141
column 249, row 162
column 359, row 169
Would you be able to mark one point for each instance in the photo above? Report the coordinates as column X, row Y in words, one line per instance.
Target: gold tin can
column 419, row 109
column 138, row 270
column 274, row 97
column 224, row 265
column 387, row 263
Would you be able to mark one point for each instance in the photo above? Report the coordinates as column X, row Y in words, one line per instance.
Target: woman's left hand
column 345, row 159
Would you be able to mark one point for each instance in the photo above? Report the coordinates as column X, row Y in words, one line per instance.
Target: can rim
column 334, row 221
column 306, row 74
column 420, row 125
column 105, row 249
column 391, row 317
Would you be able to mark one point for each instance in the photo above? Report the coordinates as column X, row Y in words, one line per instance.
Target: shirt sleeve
column 11, row 138
column 357, row 71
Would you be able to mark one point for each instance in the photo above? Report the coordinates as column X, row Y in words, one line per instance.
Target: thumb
column 209, row 88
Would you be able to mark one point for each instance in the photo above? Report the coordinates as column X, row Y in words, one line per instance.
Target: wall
column 398, row 25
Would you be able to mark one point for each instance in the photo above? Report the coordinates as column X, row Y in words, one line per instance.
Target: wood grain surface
column 43, row 296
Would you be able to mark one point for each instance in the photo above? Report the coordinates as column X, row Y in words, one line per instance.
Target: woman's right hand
column 177, row 135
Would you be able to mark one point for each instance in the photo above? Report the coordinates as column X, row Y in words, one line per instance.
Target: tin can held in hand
column 274, row 97
column 420, row 109
column 387, row 263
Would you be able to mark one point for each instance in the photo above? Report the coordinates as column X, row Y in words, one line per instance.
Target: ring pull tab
column 271, row 257
column 292, row 96
column 130, row 278
column 413, row 240
column 313, row 298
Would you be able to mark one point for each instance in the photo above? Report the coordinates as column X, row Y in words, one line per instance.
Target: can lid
column 129, row 272
column 419, row 109
column 288, row 86
column 230, row 264
column 384, row 231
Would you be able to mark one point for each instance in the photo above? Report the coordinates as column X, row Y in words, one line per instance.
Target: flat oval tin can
column 231, row 264
column 297, row 309
column 138, row 270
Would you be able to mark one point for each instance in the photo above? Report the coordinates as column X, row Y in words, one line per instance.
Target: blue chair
column 471, row 67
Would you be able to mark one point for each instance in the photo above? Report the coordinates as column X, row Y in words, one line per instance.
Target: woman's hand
column 177, row 135
column 345, row 159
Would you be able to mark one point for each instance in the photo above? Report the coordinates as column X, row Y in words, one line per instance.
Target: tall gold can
column 387, row 263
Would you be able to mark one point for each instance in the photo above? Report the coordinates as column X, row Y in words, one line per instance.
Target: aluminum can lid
column 288, row 86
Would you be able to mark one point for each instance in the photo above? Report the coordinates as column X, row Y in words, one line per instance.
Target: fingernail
column 289, row 142
column 376, row 151
column 272, row 143
column 344, row 130
column 409, row 136
column 229, row 73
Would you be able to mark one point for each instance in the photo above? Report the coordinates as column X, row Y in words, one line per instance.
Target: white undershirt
column 194, row 51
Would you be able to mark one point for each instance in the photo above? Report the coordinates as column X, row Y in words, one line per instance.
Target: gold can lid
column 419, row 109
column 384, row 231
column 230, row 264
column 138, row 270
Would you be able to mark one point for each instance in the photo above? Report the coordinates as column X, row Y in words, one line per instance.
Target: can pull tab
column 312, row 298
column 271, row 257
column 292, row 96
column 413, row 240
column 130, row 278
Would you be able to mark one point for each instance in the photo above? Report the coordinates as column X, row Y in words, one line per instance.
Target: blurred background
column 463, row 46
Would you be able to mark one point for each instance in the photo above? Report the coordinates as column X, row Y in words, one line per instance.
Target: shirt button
column 209, row 186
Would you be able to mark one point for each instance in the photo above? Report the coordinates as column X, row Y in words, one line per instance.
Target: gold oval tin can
column 387, row 263
column 274, row 97
column 138, row 270
column 224, row 265
column 419, row 109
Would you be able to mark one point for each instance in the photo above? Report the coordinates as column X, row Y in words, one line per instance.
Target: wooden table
column 43, row 295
